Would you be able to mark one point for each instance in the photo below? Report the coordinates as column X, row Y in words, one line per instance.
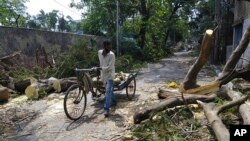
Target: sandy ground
column 45, row 120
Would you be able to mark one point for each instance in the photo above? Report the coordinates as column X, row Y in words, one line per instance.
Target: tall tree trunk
column 167, row 31
column 145, row 16
column 16, row 20
column 216, row 49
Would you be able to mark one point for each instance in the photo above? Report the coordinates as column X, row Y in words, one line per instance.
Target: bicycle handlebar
column 86, row 70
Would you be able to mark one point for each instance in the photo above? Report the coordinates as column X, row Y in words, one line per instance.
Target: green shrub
column 123, row 63
column 153, row 54
column 129, row 47
column 79, row 55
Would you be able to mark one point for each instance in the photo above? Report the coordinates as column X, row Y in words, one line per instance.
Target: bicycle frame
column 84, row 79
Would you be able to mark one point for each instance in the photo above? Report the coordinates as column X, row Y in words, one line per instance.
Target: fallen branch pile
column 192, row 93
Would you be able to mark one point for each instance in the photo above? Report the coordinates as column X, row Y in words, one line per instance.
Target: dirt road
column 44, row 120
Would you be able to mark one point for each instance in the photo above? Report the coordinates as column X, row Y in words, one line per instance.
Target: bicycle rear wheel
column 75, row 101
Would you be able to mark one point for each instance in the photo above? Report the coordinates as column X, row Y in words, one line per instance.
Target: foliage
column 153, row 53
column 219, row 101
column 126, row 63
column 20, row 73
column 201, row 17
column 12, row 13
column 150, row 23
column 169, row 125
column 53, row 21
column 79, row 55
column 129, row 46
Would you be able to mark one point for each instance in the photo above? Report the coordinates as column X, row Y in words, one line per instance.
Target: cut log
column 21, row 85
column 4, row 94
column 212, row 111
column 18, row 85
column 67, row 82
column 35, row 90
column 32, row 91
column 206, row 47
column 169, row 103
column 165, row 94
column 63, row 84
column 55, row 84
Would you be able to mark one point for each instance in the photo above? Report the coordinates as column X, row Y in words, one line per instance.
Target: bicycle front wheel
column 75, row 101
column 131, row 88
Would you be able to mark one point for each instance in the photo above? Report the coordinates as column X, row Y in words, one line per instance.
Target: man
column 107, row 67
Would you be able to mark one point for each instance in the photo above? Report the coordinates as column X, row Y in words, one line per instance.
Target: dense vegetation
column 147, row 29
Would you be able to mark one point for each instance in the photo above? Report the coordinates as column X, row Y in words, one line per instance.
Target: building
column 233, row 18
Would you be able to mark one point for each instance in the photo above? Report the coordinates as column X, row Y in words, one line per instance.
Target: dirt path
column 45, row 119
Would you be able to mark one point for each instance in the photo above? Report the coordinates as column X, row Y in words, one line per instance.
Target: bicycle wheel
column 130, row 89
column 75, row 101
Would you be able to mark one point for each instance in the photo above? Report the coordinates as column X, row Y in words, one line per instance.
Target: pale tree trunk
column 206, row 46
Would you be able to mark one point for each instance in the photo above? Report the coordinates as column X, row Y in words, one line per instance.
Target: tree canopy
column 153, row 25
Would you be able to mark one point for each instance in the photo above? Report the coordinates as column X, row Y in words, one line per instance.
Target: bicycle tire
column 130, row 89
column 75, row 99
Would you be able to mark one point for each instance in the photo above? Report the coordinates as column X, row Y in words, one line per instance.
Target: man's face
column 108, row 47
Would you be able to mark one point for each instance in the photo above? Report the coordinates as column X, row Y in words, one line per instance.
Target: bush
column 129, row 47
column 79, row 55
column 153, row 54
column 123, row 63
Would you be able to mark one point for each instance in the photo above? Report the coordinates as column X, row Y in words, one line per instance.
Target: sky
column 34, row 6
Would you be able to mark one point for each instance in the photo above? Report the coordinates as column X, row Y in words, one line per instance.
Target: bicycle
column 75, row 99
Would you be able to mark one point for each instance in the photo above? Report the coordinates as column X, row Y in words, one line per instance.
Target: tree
column 201, row 17
column 152, row 23
column 33, row 23
column 52, row 19
column 42, row 19
column 63, row 24
column 12, row 12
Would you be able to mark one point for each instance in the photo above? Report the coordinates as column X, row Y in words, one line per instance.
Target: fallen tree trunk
column 169, row 103
column 229, row 72
column 242, row 73
column 165, row 94
column 244, row 109
column 21, row 85
column 35, row 89
column 212, row 111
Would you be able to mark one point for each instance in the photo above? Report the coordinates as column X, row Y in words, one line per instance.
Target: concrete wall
column 242, row 10
column 27, row 41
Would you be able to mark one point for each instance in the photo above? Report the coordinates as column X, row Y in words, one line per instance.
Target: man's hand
column 97, row 68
